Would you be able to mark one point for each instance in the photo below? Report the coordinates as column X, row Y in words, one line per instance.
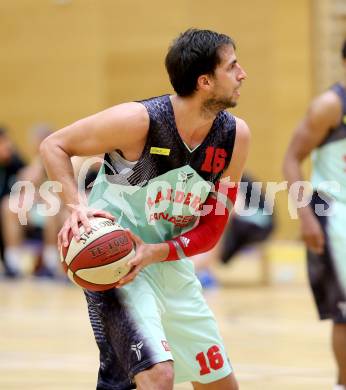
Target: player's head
column 196, row 61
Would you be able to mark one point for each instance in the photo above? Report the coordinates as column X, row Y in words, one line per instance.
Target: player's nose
column 242, row 74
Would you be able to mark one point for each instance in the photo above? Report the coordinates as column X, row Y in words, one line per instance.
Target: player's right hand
column 79, row 217
column 312, row 234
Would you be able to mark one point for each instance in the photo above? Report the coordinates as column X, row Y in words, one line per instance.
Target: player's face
column 227, row 79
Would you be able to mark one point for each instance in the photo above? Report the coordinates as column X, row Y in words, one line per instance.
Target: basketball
column 99, row 259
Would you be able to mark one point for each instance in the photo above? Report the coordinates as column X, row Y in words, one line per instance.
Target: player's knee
column 164, row 375
column 234, row 385
column 230, row 383
column 158, row 377
column 227, row 383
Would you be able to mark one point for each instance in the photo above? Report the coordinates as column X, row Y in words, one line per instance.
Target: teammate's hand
column 312, row 233
column 145, row 254
column 79, row 217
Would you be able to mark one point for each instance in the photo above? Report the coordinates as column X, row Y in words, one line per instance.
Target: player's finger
column 74, row 226
column 59, row 241
column 102, row 213
column 64, row 236
column 135, row 261
column 126, row 279
column 85, row 222
column 129, row 277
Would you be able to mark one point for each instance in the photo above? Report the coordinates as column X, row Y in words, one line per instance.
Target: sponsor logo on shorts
column 165, row 345
column 137, row 348
column 342, row 307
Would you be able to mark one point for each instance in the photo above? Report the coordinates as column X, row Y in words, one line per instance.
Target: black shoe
column 44, row 272
column 11, row 273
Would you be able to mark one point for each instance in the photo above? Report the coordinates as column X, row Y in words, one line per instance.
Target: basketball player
column 323, row 132
column 11, row 164
column 171, row 151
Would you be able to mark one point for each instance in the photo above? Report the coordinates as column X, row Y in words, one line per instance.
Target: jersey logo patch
column 165, row 345
column 161, row 151
column 137, row 348
column 184, row 177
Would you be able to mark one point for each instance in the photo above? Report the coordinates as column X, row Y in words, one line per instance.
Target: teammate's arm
column 323, row 114
column 121, row 127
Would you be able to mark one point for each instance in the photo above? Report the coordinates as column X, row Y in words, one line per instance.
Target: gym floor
column 272, row 335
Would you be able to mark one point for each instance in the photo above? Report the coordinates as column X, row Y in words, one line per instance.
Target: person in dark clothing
column 38, row 234
column 249, row 229
column 10, row 165
column 252, row 222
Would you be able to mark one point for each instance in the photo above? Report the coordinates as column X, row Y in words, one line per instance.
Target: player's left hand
column 145, row 254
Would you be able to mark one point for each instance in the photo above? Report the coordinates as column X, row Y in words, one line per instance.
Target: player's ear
column 203, row 82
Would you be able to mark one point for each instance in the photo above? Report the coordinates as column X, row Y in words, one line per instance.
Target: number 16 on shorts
column 211, row 360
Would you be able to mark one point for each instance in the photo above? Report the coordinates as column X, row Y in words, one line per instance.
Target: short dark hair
column 193, row 53
column 344, row 50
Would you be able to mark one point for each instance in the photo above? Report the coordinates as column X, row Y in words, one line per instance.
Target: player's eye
column 232, row 65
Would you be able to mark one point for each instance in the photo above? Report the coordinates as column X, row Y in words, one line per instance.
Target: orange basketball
column 99, row 259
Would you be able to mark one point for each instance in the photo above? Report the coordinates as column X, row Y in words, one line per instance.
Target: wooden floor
column 272, row 336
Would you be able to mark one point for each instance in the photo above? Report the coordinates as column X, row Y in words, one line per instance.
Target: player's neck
column 192, row 122
column 193, row 106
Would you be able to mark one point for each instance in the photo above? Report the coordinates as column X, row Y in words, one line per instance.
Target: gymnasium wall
column 65, row 59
